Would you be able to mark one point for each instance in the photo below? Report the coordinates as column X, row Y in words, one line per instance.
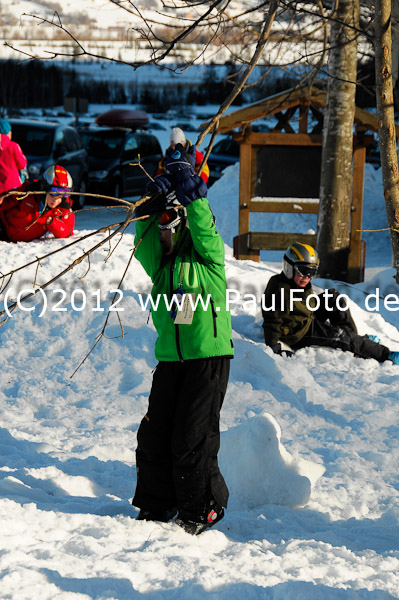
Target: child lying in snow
column 295, row 316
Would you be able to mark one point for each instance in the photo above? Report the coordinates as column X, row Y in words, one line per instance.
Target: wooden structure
column 280, row 170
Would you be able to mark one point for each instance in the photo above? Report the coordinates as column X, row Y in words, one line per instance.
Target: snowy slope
column 114, row 31
column 310, row 445
column 102, row 13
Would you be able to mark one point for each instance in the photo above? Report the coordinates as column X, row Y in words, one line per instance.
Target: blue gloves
column 180, row 163
column 153, row 206
column 191, row 189
column 162, row 184
column 180, row 184
column 163, row 196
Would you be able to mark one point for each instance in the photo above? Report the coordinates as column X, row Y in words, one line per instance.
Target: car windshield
column 102, row 144
column 227, row 146
column 33, row 140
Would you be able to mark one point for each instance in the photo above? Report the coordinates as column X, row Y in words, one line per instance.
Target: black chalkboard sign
column 287, row 171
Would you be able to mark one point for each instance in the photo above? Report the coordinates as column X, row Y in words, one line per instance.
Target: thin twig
column 88, row 268
column 38, row 217
column 36, row 272
column 241, row 82
column 77, row 261
column 76, row 241
column 102, row 333
column 141, row 167
column 208, row 150
column 21, row 195
column 374, row 230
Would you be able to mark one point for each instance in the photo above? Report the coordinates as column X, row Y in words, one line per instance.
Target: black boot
column 196, row 525
column 160, row 515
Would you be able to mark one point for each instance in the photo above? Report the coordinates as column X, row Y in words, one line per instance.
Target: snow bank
column 260, row 470
column 67, row 446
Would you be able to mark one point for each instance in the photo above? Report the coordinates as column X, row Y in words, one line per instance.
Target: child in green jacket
column 178, row 439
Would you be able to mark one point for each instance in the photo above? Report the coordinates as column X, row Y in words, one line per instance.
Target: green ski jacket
column 195, row 267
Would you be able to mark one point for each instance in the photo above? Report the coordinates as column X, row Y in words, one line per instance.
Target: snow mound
column 259, row 470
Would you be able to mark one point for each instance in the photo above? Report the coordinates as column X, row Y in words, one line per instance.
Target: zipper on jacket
column 214, row 317
column 177, row 333
column 178, row 343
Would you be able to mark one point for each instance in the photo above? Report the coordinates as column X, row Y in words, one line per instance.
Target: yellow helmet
column 301, row 258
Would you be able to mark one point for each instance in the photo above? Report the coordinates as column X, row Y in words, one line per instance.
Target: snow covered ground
column 310, row 444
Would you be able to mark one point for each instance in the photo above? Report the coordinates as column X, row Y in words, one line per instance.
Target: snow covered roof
column 288, row 99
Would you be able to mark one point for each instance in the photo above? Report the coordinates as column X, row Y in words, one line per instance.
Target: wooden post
column 356, row 249
column 246, row 170
column 303, row 115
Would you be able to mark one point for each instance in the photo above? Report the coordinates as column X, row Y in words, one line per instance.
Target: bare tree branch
column 102, row 333
column 240, row 84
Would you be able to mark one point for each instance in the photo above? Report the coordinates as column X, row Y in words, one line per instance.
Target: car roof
column 99, row 129
column 104, row 129
column 33, row 123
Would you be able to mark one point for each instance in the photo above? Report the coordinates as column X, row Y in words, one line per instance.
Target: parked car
column 223, row 154
column 45, row 144
column 154, row 125
column 111, row 152
column 186, row 126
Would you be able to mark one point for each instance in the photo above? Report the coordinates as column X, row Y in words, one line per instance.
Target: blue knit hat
column 5, row 126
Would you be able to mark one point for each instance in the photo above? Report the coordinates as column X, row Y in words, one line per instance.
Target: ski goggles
column 306, row 270
column 58, row 191
column 169, row 219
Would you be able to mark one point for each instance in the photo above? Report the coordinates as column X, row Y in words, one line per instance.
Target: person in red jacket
column 28, row 219
column 12, row 159
column 177, row 137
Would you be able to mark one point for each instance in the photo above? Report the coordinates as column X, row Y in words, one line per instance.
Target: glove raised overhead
column 161, row 184
column 179, row 163
column 191, row 189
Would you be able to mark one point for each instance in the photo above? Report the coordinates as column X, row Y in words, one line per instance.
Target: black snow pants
column 337, row 329
column 178, row 439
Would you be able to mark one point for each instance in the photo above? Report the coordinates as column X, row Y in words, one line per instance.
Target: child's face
column 53, row 201
column 301, row 280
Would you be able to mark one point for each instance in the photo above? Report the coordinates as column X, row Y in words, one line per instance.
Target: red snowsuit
column 12, row 160
column 198, row 160
column 17, row 215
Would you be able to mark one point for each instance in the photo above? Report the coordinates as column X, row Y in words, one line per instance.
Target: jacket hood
column 4, row 141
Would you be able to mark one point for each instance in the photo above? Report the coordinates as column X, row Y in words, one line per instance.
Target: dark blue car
column 223, row 154
column 112, row 153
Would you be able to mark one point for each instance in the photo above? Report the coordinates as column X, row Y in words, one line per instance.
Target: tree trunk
column 395, row 42
column 333, row 228
column 386, row 122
